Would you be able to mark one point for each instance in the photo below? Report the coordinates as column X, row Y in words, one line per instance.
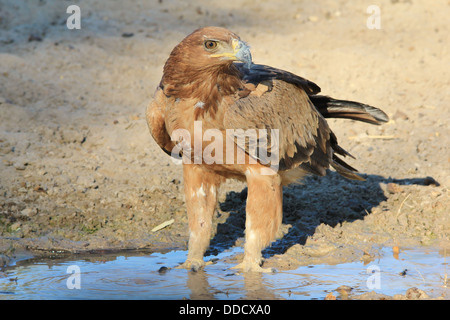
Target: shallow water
column 139, row 276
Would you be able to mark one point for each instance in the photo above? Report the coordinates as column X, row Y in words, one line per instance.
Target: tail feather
column 332, row 108
column 342, row 168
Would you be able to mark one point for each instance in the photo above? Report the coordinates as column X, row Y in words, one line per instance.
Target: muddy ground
column 80, row 172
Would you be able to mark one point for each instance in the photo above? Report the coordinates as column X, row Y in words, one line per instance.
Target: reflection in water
column 153, row 276
column 198, row 283
column 255, row 287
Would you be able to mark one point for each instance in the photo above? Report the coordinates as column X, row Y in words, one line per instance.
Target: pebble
column 29, row 212
column 393, row 188
column 15, row 226
column 415, row 293
column 343, row 289
column 20, row 165
column 163, row 270
column 330, row 296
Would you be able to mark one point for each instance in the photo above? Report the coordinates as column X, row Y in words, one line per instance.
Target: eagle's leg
column 200, row 189
column 264, row 213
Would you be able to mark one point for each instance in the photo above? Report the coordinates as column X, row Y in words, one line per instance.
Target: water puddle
column 144, row 276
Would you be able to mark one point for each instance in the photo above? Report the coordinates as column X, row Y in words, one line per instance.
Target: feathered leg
column 200, row 189
column 264, row 213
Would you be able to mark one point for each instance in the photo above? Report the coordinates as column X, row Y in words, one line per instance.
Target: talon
column 193, row 265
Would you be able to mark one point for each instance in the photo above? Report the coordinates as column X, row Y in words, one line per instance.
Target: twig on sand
column 401, row 205
column 366, row 136
column 163, row 225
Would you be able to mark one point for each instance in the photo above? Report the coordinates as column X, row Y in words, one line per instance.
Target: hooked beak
column 241, row 52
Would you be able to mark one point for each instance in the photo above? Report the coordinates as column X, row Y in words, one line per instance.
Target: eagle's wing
column 304, row 137
column 156, row 121
column 327, row 106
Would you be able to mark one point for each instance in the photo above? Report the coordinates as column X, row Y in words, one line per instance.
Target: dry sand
column 79, row 170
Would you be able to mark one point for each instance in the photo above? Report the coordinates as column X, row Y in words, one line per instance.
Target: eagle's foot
column 193, row 264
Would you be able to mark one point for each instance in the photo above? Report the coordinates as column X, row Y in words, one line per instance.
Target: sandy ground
column 79, row 170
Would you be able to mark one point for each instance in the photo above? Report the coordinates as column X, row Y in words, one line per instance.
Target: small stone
column 20, row 166
column 330, row 296
column 344, row 289
column 393, row 188
column 163, row 270
column 415, row 293
column 15, row 226
column 29, row 212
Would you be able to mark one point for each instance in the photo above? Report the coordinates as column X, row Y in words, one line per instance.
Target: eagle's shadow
column 330, row 200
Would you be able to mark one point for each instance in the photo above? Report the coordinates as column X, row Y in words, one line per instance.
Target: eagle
column 224, row 117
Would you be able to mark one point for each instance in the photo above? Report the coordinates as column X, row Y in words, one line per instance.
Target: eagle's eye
column 210, row 44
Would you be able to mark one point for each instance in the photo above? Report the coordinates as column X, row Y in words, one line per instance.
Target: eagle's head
column 211, row 46
column 201, row 67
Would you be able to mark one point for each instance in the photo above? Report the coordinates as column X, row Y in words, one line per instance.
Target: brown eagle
column 225, row 117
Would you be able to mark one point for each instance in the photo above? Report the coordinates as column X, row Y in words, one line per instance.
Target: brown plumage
column 209, row 79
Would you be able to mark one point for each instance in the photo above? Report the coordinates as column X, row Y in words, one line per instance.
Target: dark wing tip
column 260, row 72
column 333, row 108
column 345, row 169
column 378, row 114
